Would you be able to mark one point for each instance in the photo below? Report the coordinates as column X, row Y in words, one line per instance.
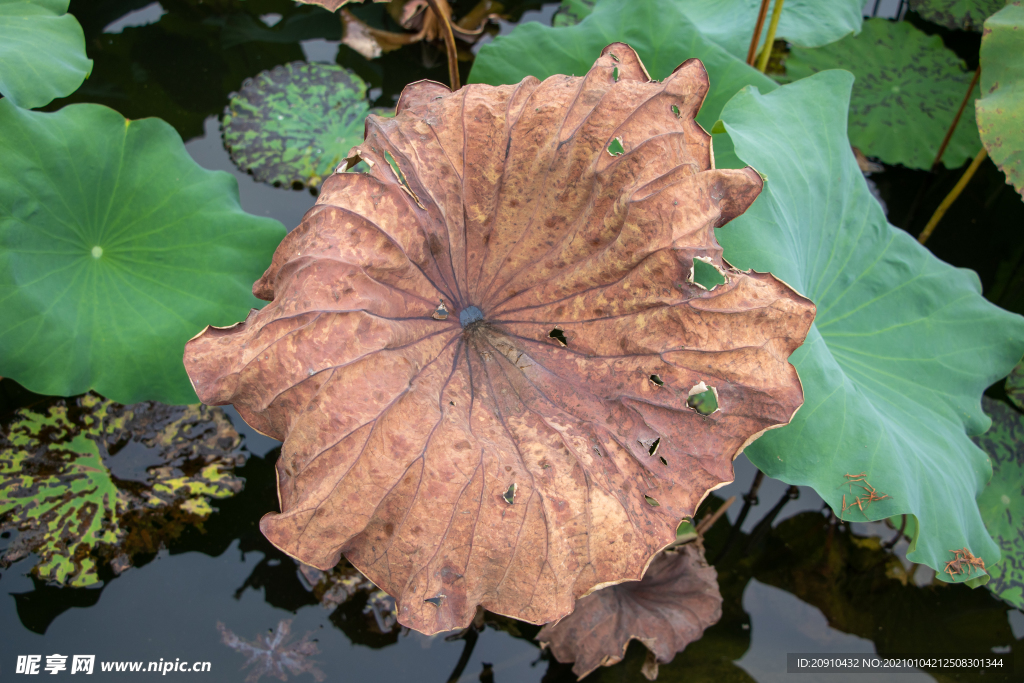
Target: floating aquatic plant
column 460, row 345
column 73, row 479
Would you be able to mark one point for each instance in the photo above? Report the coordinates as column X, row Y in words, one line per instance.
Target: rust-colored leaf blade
column 506, row 453
column 670, row 608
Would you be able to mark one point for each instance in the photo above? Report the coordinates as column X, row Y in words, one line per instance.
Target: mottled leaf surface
column 42, row 52
column 909, row 87
column 963, row 14
column 293, row 124
column 459, row 348
column 1002, row 501
column 903, row 345
column 115, row 249
column 668, row 609
column 70, row 477
column 1000, row 110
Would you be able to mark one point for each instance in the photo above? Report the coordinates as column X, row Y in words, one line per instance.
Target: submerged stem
column 758, row 27
column 951, row 197
column 449, row 43
column 762, row 61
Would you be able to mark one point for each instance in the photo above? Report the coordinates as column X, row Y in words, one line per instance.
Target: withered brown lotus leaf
column 480, row 354
column 670, row 608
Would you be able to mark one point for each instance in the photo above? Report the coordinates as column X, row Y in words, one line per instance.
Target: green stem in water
column 951, row 197
column 762, row 61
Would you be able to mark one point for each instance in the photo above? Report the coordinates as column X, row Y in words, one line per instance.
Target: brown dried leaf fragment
column 670, row 608
column 404, row 433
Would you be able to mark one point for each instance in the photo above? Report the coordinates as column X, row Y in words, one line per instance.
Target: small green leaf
column 292, row 125
column 1001, row 109
column 116, row 248
column 1002, row 501
column 963, row 14
column 42, row 52
column 909, row 87
column 903, row 345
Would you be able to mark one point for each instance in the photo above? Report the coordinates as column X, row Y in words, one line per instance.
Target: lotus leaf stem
column 956, row 119
column 762, row 61
column 951, row 197
column 449, row 43
column 758, row 27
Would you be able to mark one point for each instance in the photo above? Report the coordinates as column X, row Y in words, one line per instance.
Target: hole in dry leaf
column 650, row 501
column 470, row 314
column 703, row 399
column 654, row 446
column 510, row 494
column 615, row 74
column 706, row 274
column 451, row 403
column 663, row 461
column 657, row 380
column 436, row 602
column 616, row 148
column 559, row 335
column 612, row 55
column 441, row 313
column 401, row 176
column 675, row 110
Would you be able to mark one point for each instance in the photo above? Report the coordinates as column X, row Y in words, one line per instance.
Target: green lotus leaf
column 730, row 23
column 902, row 347
column 1001, row 110
column 965, row 14
column 657, row 29
column 73, row 480
column 292, row 125
column 115, row 249
column 1002, row 501
column 42, row 52
column 908, row 90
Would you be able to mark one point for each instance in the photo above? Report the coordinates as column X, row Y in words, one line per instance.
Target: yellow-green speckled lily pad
column 293, row 124
column 70, row 477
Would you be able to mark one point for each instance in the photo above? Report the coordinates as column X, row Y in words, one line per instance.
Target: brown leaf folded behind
column 492, row 464
column 670, row 608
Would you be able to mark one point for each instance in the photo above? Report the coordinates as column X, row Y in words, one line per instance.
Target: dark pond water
column 792, row 579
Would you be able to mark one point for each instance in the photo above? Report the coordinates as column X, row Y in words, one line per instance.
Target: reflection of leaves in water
column 92, row 479
column 365, row 613
column 179, row 67
column 863, row 590
column 270, row 655
column 1002, row 501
